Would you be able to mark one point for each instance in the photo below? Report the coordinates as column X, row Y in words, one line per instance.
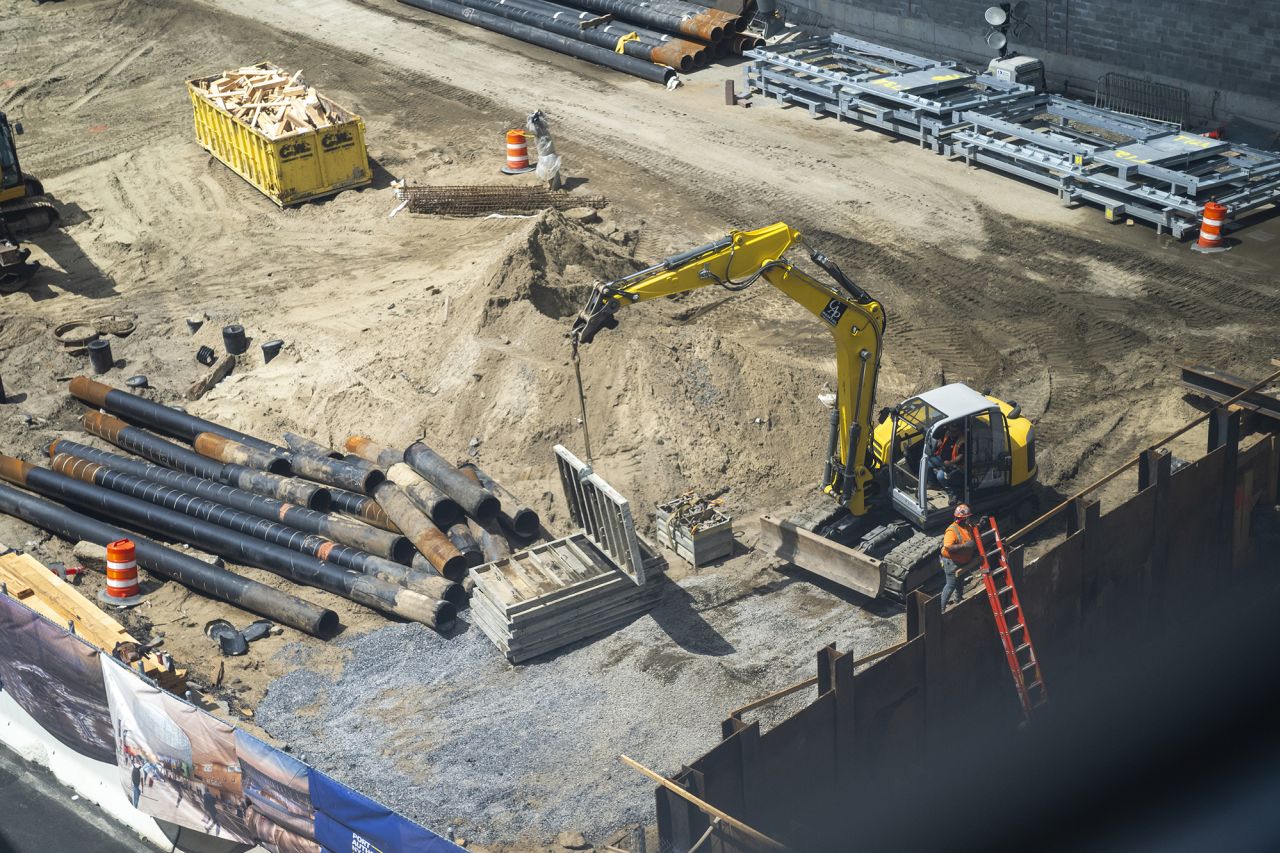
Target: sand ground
column 454, row 328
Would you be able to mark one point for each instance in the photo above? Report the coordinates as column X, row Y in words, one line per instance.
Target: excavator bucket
column 821, row 556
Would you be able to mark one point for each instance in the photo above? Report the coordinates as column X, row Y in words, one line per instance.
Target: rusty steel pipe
column 443, row 510
column 337, row 473
column 426, row 537
column 227, row 451
column 363, row 507
column 473, row 499
column 306, row 446
column 338, row 528
column 251, row 525
column 204, row 578
column 369, row 450
column 461, row 537
column 493, row 545
column 519, row 518
column 363, row 589
column 687, row 18
column 167, row 419
column 163, row 452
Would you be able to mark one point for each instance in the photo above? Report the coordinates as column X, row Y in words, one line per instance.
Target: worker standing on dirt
column 959, row 551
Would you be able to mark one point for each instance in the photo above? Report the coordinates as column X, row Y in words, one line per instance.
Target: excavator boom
column 855, row 321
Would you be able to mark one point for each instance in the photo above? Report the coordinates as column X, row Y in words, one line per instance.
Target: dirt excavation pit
column 455, row 329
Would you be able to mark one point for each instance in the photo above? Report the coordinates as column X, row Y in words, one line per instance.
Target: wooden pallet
column 29, row 581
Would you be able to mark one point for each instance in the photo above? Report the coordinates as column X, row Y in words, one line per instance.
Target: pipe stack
column 394, row 530
column 650, row 39
column 495, row 519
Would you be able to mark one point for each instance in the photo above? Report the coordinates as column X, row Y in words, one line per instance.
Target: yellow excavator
column 24, row 209
column 892, row 495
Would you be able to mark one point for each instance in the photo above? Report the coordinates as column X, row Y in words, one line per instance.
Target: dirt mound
column 552, row 266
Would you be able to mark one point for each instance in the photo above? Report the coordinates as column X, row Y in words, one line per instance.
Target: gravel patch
column 444, row 730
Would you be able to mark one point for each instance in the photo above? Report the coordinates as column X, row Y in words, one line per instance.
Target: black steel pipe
column 204, row 578
column 680, row 53
column 231, row 452
column 434, row 468
column 520, row 519
column 164, row 452
column 443, row 510
column 173, row 421
column 337, row 473
column 686, row 18
column 363, row 507
column 493, row 545
column 299, row 444
column 369, row 450
column 250, row 525
column 551, row 41
column 369, row 591
column 383, row 543
column 462, row 538
column 425, row 536
column 615, row 38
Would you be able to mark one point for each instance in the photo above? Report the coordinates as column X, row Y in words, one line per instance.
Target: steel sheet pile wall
column 651, row 41
column 1132, row 167
column 1143, row 568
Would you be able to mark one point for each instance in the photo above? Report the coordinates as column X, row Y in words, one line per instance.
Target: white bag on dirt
column 548, row 166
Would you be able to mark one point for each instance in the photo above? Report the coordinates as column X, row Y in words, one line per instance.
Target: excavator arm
column 855, row 321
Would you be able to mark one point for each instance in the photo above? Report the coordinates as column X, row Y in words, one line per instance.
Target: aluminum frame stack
column 548, row 596
column 867, row 83
column 1130, row 166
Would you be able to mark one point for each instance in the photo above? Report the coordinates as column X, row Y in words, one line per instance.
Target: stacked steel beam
column 400, row 546
column 650, row 39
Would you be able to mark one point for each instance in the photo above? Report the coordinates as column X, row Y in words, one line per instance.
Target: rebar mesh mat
column 478, row 201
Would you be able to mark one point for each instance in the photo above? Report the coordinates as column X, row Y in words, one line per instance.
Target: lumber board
column 31, row 582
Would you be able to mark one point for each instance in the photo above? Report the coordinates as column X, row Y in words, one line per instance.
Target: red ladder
column 1010, row 623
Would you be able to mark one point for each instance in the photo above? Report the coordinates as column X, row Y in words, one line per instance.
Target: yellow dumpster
column 279, row 134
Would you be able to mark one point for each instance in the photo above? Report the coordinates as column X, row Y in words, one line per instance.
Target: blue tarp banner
column 348, row 822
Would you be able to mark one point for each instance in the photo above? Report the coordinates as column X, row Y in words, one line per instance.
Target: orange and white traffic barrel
column 1211, row 223
column 517, row 153
column 122, row 589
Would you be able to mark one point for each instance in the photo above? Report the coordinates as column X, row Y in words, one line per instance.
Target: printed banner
column 278, row 792
column 56, row 679
column 176, row 762
column 348, row 822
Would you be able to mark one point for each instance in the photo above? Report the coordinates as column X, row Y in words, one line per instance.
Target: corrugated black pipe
column 383, row 543
column 198, row 575
column 551, row 41
column 369, row 591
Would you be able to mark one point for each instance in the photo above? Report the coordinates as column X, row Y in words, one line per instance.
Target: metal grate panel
column 604, row 514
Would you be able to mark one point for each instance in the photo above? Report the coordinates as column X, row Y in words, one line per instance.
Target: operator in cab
column 946, row 462
column 959, row 553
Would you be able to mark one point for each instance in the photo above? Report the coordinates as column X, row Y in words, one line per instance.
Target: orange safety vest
column 949, row 448
column 957, row 543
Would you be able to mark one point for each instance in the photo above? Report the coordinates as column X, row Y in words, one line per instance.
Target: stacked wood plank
column 554, row 594
column 271, row 100
column 31, row 582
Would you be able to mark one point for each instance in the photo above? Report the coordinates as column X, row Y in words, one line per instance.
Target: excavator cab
column 12, row 185
column 995, row 467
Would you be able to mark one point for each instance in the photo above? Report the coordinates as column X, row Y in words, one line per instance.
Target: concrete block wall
column 1225, row 52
